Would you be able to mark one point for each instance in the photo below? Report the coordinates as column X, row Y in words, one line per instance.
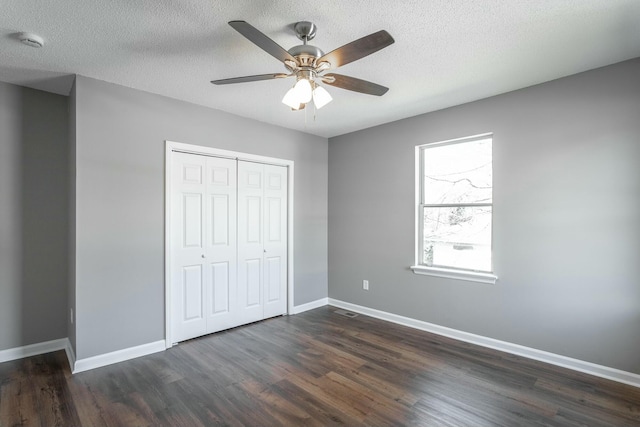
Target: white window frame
column 446, row 272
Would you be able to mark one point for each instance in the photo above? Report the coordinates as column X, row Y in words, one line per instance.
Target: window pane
column 457, row 173
column 457, row 237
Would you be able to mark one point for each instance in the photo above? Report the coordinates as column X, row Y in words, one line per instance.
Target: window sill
column 471, row 276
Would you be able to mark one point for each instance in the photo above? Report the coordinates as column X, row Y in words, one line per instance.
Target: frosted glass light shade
column 321, row 97
column 291, row 99
column 303, row 90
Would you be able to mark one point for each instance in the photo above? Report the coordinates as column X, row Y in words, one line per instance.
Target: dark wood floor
column 316, row 368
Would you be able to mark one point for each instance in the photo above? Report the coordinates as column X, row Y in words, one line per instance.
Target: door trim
column 172, row 146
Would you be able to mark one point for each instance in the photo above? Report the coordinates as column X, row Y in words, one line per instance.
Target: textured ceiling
column 447, row 52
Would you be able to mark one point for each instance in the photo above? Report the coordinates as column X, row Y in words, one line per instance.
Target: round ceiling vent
column 31, row 39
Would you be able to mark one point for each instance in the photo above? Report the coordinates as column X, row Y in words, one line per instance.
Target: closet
column 228, row 243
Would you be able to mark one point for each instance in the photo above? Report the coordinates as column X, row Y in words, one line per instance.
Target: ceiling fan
column 308, row 64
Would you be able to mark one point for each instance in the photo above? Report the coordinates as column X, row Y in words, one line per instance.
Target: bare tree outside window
column 456, row 204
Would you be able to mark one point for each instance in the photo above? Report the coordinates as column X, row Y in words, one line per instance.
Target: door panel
column 254, row 220
column 219, row 220
column 273, row 278
column 273, row 220
column 192, row 173
column 193, row 292
column 192, row 220
column 220, row 295
column 252, row 283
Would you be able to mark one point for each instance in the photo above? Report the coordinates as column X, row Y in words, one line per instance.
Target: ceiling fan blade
column 356, row 85
column 357, row 49
column 261, row 40
column 245, row 79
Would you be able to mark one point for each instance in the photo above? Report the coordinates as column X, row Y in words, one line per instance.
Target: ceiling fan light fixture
column 307, row 63
column 321, row 97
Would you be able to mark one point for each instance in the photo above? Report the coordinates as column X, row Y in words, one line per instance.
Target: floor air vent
column 346, row 313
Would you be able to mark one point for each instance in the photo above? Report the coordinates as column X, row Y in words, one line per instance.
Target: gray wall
column 119, row 222
column 566, row 218
column 33, row 216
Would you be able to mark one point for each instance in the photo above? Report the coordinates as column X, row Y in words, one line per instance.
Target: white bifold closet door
column 262, row 241
column 228, row 243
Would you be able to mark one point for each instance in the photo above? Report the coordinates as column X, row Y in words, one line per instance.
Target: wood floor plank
column 382, row 407
column 16, row 402
column 325, row 414
column 19, row 397
column 280, row 408
column 314, row 369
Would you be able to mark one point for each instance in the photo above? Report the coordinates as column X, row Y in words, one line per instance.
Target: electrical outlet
column 71, row 314
column 365, row 285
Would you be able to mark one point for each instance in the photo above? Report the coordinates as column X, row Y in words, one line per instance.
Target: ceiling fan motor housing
column 306, row 74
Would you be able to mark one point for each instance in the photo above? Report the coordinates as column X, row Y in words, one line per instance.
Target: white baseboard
column 531, row 353
column 157, row 346
column 71, row 355
column 33, row 349
column 100, row 360
column 310, row 305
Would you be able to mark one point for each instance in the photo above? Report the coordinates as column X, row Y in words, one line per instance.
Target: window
column 454, row 209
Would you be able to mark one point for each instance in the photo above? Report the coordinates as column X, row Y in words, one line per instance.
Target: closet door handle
column 203, row 256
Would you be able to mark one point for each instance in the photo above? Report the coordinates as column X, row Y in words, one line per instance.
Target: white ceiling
column 446, row 52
